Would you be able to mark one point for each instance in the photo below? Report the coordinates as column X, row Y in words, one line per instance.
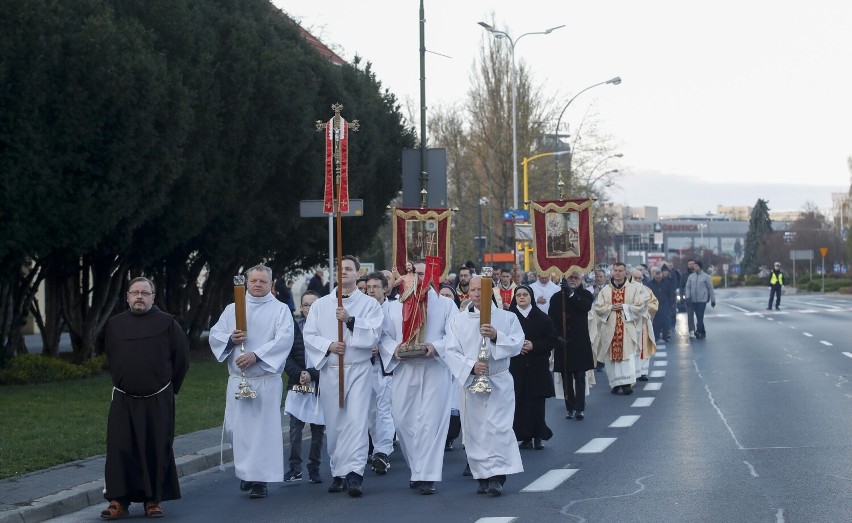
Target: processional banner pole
column 336, row 201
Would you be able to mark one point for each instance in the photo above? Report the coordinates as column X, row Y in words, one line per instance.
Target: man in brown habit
column 148, row 355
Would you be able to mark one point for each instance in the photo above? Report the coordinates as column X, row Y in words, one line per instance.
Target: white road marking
column 657, row 374
column 754, row 314
column 735, row 307
column 642, row 402
column 660, row 363
column 508, row 519
column 807, row 311
column 848, row 354
column 771, row 319
column 550, row 480
column 624, row 421
column 596, row 445
column 652, row 386
column 660, row 354
column 827, row 344
column 808, row 334
column 820, row 305
column 792, row 326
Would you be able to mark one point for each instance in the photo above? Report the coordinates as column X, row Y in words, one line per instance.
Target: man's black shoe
column 579, row 416
column 615, row 389
column 336, row 484
column 353, row 485
column 467, row 471
column 413, row 484
column 245, row 486
column 643, row 377
column 483, row 486
column 258, row 490
column 427, row 488
column 495, row 488
column 314, row 476
column 537, row 444
column 526, row 444
column 381, row 463
column 627, row 389
column 570, row 415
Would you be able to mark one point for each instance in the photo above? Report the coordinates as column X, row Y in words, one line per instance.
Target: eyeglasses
column 140, row 293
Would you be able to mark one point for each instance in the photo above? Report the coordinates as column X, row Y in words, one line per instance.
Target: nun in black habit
column 531, row 370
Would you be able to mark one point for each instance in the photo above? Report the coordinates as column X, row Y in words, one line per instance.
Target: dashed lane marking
column 624, row 421
column 657, row 374
column 737, row 308
column 596, row 445
column 826, row 343
column 508, row 519
column 849, row 354
column 660, row 363
column 660, row 354
column 550, row 480
column 642, row 402
column 652, row 386
column 808, row 334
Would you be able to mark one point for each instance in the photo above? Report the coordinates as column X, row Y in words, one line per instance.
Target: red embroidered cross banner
column 343, row 196
column 563, row 235
column 421, row 233
column 328, row 191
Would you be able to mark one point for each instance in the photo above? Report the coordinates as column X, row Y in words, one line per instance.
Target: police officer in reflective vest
column 776, row 281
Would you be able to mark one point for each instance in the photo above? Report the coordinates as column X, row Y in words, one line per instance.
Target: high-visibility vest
column 776, row 278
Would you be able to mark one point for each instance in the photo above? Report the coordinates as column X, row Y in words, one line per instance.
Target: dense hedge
column 36, row 368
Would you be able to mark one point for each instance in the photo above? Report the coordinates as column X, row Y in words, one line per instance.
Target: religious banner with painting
column 418, row 233
column 563, row 235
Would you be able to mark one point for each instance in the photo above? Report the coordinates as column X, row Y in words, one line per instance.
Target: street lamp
column 613, row 81
column 610, row 157
column 526, row 162
column 502, row 34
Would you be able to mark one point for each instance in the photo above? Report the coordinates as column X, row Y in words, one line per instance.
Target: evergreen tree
column 759, row 229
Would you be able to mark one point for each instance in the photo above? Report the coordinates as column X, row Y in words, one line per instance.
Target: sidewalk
column 60, row 490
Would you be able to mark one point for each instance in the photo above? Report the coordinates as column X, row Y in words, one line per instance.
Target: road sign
column 801, row 255
column 823, row 251
column 313, row 209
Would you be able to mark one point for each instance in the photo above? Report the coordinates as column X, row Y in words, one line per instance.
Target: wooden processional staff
column 337, row 191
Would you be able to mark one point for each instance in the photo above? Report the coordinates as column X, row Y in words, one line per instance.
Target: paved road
column 751, row 424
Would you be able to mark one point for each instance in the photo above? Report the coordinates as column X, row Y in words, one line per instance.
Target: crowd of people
column 405, row 359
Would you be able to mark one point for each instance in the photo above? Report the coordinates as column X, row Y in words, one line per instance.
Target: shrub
column 752, row 280
column 37, row 368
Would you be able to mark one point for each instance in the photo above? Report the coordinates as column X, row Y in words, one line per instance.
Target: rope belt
column 135, row 396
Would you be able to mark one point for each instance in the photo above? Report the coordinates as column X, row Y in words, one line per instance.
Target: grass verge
column 48, row 424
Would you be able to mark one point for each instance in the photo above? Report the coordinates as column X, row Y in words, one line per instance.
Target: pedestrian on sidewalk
column 148, row 355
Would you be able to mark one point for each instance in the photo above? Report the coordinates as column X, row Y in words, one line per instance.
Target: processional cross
column 337, row 162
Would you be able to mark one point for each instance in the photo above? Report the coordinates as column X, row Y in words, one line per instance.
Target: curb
column 92, row 493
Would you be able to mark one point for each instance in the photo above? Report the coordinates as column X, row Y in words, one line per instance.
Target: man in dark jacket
column 575, row 357
column 665, row 293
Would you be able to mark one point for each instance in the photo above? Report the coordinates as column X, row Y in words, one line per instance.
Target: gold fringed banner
column 564, row 236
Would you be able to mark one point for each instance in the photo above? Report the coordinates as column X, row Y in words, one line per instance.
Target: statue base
column 411, row 350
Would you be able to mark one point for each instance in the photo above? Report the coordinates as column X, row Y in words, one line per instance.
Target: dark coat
column 578, row 345
column 531, row 371
column 295, row 363
column 665, row 292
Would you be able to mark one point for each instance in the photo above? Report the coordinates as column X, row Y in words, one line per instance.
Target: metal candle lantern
column 244, row 390
column 481, row 383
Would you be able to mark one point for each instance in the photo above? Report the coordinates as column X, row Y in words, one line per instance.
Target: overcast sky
column 719, row 100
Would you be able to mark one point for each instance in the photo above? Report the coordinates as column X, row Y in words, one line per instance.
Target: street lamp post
column 526, row 164
column 512, row 43
column 613, row 81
